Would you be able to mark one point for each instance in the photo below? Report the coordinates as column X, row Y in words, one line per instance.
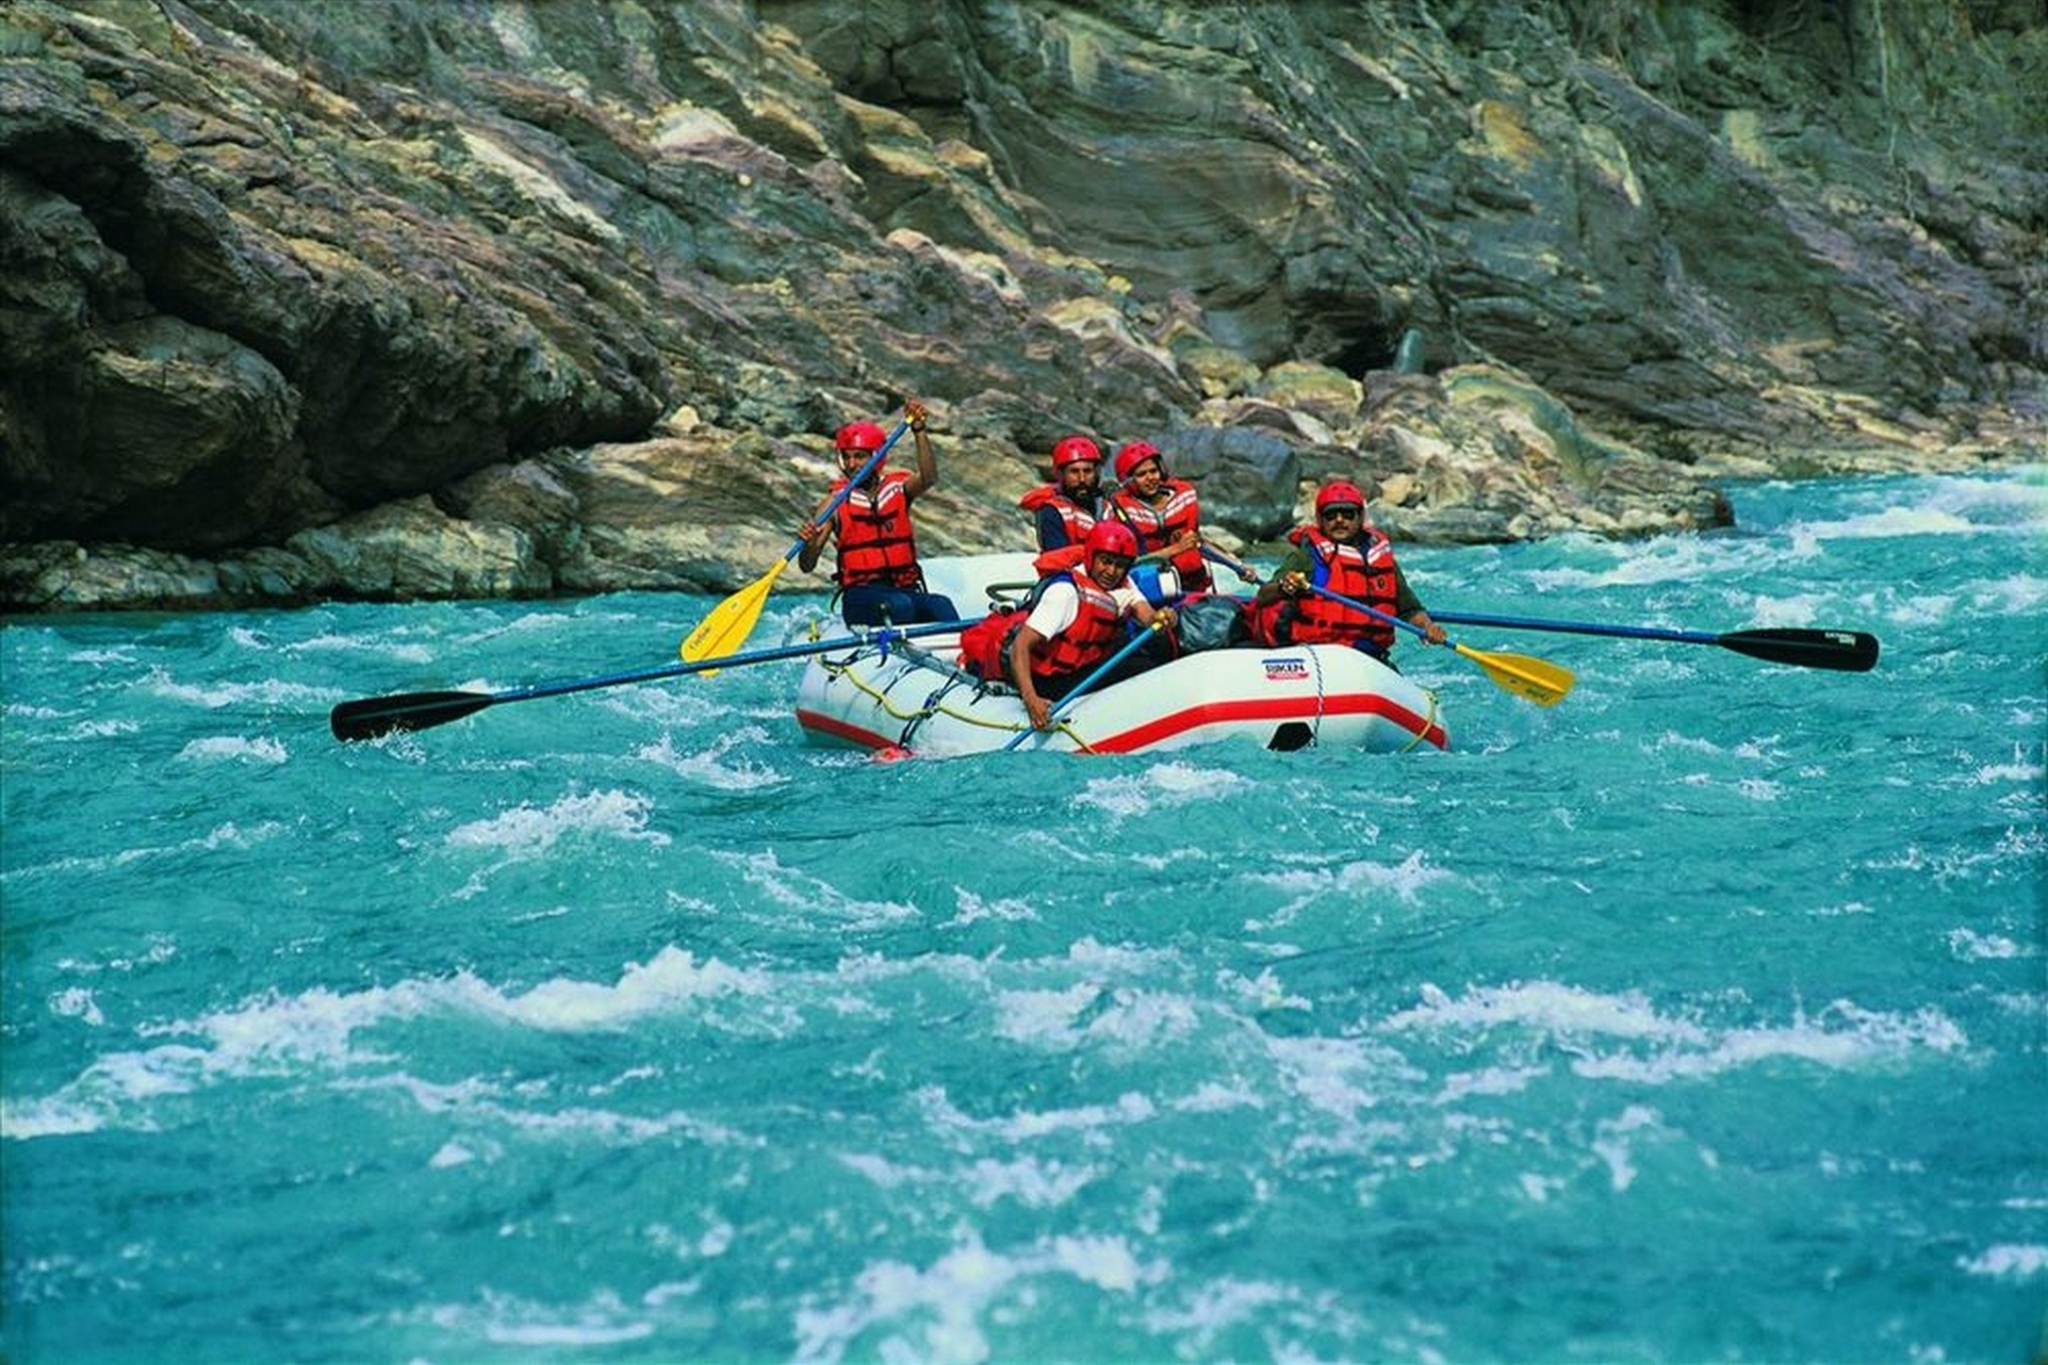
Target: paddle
column 1086, row 684
column 375, row 716
column 1531, row 679
column 1846, row 651
column 732, row 620
column 1244, row 572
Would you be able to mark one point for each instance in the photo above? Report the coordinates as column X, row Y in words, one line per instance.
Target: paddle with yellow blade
column 732, row 620
column 1536, row 680
column 1531, row 679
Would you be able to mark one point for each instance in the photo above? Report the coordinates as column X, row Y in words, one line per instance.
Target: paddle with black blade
column 373, row 717
column 1531, row 679
column 1845, row 651
column 732, row 620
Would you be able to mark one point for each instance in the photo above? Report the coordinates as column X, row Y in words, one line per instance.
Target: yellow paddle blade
column 731, row 621
column 1536, row 680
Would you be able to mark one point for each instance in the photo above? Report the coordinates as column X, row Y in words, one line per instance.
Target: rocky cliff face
column 411, row 297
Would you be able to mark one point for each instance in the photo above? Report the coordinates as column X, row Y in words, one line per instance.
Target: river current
column 1699, row 1017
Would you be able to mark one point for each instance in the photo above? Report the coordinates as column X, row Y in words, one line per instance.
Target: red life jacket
column 985, row 645
column 1078, row 520
column 876, row 544
column 1363, row 573
column 1059, row 559
column 1095, row 634
column 1157, row 527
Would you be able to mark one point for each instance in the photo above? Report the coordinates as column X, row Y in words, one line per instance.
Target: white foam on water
column 1213, row 1097
column 1045, row 1017
column 711, row 767
column 670, row 978
column 1970, row 946
column 1350, row 884
column 77, row 1002
column 527, row 831
column 276, row 1034
column 550, row 626
column 1544, row 1004
column 603, row 1320
column 1843, row 1036
column 1087, row 1013
column 1216, row 1307
column 813, row 896
column 2022, row 769
column 2017, row 1261
column 1028, row 1181
column 934, row 1314
column 1615, row 1139
column 274, row 693
column 102, row 729
column 973, row 908
column 1343, row 1077
column 2016, row 595
column 1129, row 1108
column 452, row 1154
column 1671, row 559
column 1890, row 523
column 230, row 836
column 1162, row 787
column 357, row 644
column 233, row 749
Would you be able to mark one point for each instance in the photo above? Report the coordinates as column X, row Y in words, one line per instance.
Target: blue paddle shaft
column 1695, row 637
column 843, row 494
column 1087, row 683
column 755, row 656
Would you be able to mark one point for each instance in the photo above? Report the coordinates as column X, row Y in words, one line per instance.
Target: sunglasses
column 1348, row 513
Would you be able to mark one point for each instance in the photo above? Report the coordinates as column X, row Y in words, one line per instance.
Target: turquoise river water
column 1699, row 1018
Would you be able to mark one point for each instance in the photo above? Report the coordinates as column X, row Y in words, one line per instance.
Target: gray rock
column 394, row 298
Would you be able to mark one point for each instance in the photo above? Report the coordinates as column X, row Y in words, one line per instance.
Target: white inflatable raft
column 911, row 695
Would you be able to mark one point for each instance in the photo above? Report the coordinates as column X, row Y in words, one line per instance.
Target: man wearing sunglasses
column 1342, row 554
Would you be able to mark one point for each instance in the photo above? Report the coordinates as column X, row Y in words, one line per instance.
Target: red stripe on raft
column 1179, row 722
column 1285, row 708
column 839, row 729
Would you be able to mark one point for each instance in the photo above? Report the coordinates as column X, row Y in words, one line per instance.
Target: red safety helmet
column 1073, row 449
column 1133, row 455
column 1112, row 537
column 1340, row 494
column 861, row 436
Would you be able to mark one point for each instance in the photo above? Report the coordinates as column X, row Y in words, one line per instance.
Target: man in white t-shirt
column 1077, row 623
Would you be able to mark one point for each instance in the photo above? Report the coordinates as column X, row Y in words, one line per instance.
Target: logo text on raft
column 1286, row 670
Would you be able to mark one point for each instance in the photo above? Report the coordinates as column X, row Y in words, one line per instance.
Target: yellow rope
column 1428, row 721
column 845, row 671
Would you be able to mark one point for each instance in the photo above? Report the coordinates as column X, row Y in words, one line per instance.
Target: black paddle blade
column 374, row 716
column 1848, row 651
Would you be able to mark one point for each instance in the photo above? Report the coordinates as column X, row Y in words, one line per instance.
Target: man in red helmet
column 1077, row 622
column 1163, row 511
column 880, row 581
column 1341, row 553
column 1068, row 507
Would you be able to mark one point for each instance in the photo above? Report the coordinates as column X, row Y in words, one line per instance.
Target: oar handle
column 1086, row 684
column 846, row 491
